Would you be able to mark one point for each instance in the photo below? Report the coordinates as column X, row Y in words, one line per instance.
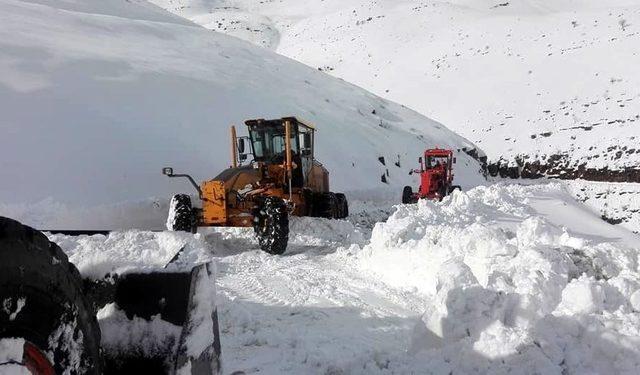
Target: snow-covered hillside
column 499, row 279
column 97, row 96
column 617, row 203
column 553, row 82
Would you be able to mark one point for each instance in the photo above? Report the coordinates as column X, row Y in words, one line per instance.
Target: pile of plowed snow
column 120, row 252
column 510, row 289
column 140, row 251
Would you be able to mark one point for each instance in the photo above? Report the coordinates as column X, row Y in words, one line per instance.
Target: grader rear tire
column 343, row 206
column 42, row 302
column 271, row 225
column 326, row 206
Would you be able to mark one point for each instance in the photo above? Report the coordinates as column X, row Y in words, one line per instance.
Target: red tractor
column 436, row 176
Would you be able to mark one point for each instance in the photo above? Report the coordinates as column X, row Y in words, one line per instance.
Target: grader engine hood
column 237, row 179
column 231, row 175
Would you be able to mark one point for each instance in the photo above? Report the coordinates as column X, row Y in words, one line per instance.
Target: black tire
column 55, row 317
column 310, row 202
column 326, row 205
column 407, row 195
column 343, row 206
column 454, row 187
column 443, row 191
column 271, row 225
column 181, row 216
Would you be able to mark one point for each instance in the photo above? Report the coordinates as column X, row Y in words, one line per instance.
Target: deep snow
column 518, row 279
column 498, row 279
column 97, row 96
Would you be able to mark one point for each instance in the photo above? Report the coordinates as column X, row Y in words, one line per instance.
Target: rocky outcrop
column 558, row 166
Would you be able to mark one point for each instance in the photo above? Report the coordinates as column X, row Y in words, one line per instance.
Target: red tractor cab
column 436, row 176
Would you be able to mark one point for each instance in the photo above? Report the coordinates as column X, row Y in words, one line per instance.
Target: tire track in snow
column 312, row 309
column 304, row 279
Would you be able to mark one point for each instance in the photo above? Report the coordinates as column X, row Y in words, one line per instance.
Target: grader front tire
column 271, row 225
column 181, row 214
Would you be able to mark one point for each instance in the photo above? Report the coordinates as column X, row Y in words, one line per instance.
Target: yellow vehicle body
column 221, row 205
column 283, row 179
column 214, row 204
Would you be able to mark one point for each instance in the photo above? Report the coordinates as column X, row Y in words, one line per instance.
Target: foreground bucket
column 185, row 300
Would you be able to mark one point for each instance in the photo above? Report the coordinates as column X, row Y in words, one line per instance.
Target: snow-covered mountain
column 97, row 96
column 551, row 84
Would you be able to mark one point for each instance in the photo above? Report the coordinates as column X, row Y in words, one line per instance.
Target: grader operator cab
column 283, row 178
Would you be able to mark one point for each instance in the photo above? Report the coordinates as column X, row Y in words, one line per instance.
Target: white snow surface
column 141, row 251
column 121, row 335
column 97, row 96
column 11, row 350
column 523, row 77
column 14, row 369
column 617, row 202
column 498, row 279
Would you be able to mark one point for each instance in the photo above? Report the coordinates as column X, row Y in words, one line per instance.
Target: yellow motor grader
column 283, row 178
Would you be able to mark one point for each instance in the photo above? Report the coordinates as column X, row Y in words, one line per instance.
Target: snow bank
column 127, row 251
column 509, row 290
column 148, row 214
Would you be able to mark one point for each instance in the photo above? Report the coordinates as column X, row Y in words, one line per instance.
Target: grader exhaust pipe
column 287, row 142
column 234, row 147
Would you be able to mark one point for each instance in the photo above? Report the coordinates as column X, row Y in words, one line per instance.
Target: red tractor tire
column 407, row 195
